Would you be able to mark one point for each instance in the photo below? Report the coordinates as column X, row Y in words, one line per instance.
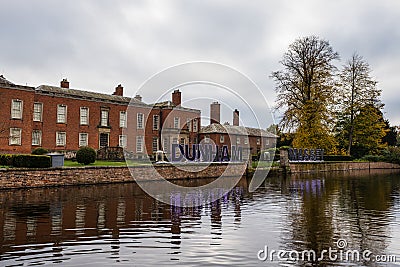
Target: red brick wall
column 7, row 94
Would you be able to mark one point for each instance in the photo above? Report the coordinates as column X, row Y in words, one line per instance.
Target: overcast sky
column 98, row 44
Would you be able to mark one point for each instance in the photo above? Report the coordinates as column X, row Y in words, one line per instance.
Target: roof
column 168, row 104
column 235, row 130
column 4, row 81
column 74, row 93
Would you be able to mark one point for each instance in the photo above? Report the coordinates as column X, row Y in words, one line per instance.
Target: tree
column 305, row 90
column 369, row 130
column 357, row 90
column 391, row 134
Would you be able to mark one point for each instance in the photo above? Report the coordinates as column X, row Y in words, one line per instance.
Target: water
column 113, row 225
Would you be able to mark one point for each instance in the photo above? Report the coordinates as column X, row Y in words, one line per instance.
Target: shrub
column 373, row 158
column 40, row 151
column 337, row 158
column 27, row 161
column 6, row 160
column 392, row 154
column 86, row 155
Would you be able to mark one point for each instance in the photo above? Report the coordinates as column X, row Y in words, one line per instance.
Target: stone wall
column 339, row 166
column 25, row 178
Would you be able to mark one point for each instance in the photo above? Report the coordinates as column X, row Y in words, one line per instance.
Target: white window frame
column 58, row 134
column 122, row 119
column 140, row 120
column 16, row 113
column 122, row 140
column 207, row 138
column 84, row 120
column 177, row 122
column 258, row 141
column 139, row 144
column 195, row 125
column 104, row 120
column 221, row 138
column 156, row 122
column 37, row 115
column 189, row 124
column 154, row 144
column 61, row 119
column 15, row 137
column 36, row 136
column 86, row 139
column 246, row 140
column 238, row 140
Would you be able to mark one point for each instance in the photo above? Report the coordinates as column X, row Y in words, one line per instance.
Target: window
column 207, row 139
column 122, row 119
column 61, row 114
column 246, row 140
column 122, row 141
column 189, row 124
column 195, row 125
column 37, row 111
column 140, row 120
column 15, row 136
column 175, row 140
column 177, row 122
column 221, row 138
column 182, row 141
column 16, row 109
column 155, row 144
column 238, row 140
column 156, row 122
column 83, row 139
column 104, row 118
column 166, row 145
column 84, row 114
column 36, row 138
column 139, row 143
column 61, row 138
column 258, row 140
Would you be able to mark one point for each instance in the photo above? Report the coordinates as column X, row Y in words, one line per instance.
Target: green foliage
column 337, row 158
column 40, row 151
column 373, row 158
column 26, row 161
column 392, row 155
column 86, row 155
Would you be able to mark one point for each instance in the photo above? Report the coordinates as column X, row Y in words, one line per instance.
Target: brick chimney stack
column 64, row 83
column 138, row 97
column 236, row 118
column 119, row 90
column 176, row 98
column 215, row 112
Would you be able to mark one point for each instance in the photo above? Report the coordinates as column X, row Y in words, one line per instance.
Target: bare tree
column 357, row 89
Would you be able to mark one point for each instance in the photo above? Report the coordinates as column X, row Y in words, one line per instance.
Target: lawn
column 70, row 163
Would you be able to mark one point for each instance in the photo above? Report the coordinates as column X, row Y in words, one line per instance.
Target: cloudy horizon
column 97, row 45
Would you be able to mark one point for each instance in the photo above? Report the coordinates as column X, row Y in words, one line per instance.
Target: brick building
column 64, row 119
column 252, row 140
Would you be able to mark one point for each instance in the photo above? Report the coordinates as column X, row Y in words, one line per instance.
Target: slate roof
column 235, row 130
column 87, row 95
column 4, row 81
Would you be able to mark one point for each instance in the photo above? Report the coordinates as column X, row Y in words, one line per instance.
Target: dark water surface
column 112, row 225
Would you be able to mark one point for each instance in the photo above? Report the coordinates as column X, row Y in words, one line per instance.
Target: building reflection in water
column 58, row 215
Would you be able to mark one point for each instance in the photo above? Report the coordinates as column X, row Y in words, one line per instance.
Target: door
column 104, row 139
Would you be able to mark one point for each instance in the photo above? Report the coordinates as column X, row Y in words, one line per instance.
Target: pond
column 350, row 218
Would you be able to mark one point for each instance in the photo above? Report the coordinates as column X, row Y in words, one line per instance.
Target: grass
column 106, row 163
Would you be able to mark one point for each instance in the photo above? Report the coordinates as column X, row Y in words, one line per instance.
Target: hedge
column 338, row 158
column 27, row 161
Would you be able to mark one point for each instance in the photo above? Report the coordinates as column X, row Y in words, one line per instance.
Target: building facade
column 64, row 119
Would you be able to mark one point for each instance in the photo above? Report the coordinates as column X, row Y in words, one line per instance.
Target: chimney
column 138, row 97
column 119, row 90
column 215, row 112
column 64, row 83
column 236, row 118
column 176, row 98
